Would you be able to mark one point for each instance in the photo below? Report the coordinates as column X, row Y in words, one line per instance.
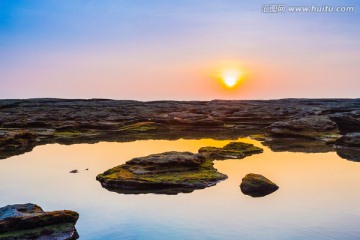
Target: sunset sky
column 161, row 49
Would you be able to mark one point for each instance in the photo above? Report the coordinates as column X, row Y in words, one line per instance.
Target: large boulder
column 29, row 221
column 314, row 126
column 256, row 185
column 233, row 150
column 164, row 173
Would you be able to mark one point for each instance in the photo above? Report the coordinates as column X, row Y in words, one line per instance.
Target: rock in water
column 256, row 185
column 29, row 221
column 233, row 150
column 166, row 173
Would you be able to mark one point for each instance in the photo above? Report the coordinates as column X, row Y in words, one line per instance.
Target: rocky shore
column 305, row 125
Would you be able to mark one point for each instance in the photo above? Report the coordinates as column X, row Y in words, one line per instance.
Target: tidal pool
column 318, row 196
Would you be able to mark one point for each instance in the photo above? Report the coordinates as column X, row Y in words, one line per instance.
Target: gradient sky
column 161, row 49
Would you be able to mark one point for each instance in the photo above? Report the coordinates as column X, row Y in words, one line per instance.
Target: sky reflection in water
column 317, row 199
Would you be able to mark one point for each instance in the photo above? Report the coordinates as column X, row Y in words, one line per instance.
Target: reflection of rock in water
column 297, row 145
column 348, row 153
column 29, row 221
column 256, row 185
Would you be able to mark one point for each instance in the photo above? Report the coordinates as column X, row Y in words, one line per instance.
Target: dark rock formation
column 233, row 150
column 167, row 173
column 256, row 185
column 29, row 221
column 74, row 171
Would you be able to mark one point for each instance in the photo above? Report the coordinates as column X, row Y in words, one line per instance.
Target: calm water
column 318, row 197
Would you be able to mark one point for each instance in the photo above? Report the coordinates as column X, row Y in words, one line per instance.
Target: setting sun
column 231, row 77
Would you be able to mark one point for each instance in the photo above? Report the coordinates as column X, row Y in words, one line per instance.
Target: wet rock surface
column 163, row 173
column 29, row 221
column 31, row 122
column 256, row 185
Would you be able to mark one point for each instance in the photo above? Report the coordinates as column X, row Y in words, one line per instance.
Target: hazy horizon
column 161, row 50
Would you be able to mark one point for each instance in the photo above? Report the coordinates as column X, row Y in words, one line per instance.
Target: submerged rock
column 256, row 185
column 233, row 150
column 29, row 221
column 167, row 173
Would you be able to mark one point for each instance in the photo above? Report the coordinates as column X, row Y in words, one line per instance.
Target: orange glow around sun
column 230, row 77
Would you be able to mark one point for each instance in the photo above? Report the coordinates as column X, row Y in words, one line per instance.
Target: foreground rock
column 256, row 185
column 166, row 173
column 233, row 150
column 29, row 221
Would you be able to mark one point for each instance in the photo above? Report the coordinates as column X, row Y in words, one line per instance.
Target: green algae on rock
column 29, row 221
column 163, row 173
column 233, row 150
column 256, row 185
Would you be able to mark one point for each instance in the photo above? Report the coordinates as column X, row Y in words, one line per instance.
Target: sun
column 230, row 77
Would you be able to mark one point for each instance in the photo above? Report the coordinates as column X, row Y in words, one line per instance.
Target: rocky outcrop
column 317, row 127
column 350, row 139
column 256, row 185
column 29, row 221
column 165, row 173
column 233, row 150
column 16, row 141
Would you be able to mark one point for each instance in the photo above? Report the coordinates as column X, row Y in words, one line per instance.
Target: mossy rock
column 233, row 150
column 166, row 173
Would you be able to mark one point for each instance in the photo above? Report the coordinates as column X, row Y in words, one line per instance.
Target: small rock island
column 256, row 185
column 169, row 173
column 172, row 172
column 29, row 221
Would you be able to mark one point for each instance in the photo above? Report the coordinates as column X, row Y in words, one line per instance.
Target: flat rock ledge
column 164, row 173
column 256, row 185
column 29, row 221
column 233, row 150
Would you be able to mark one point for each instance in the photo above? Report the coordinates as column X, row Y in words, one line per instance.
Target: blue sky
column 151, row 50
